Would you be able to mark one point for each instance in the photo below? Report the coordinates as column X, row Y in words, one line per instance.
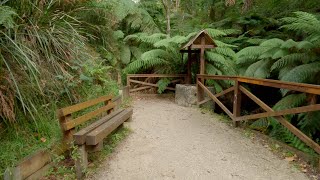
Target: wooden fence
column 238, row 89
column 139, row 82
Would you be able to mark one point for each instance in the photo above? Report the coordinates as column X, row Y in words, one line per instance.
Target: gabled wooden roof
column 195, row 42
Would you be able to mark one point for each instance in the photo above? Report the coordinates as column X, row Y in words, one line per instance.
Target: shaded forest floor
column 173, row 142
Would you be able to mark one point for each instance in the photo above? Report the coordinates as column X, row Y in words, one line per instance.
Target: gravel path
column 173, row 142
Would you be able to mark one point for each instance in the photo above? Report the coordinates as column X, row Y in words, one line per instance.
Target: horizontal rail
column 157, row 75
column 149, row 84
column 301, row 87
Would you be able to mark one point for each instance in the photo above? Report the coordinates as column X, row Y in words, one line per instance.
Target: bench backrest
column 67, row 123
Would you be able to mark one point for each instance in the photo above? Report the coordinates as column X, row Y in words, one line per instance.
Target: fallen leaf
column 290, row 159
column 43, row 139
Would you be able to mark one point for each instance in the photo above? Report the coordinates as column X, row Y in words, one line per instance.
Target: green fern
column 162, row 85
column 259, row 69
column 290, row 101
column 303, row 73
column 290, row 59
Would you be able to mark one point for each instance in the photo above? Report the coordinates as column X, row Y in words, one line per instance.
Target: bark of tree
column 166, row 6
column 177, row 5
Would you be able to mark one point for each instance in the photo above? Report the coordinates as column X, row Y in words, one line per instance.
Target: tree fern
column 290, row 59
column 162, row 84
column 275, row 42
column 290, row 101
column 302, row 73
column 259, row 69
column 309, row 123
column 303, row 22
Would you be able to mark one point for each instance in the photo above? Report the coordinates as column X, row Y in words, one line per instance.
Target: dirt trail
column 173, row 142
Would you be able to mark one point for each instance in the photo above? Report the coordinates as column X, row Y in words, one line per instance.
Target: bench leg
column 81, row 161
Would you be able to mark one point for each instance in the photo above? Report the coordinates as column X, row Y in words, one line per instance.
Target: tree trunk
column 166, row 6
column 177, row 5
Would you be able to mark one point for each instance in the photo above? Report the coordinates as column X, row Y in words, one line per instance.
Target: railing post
column 236, row 103
column 200, row 91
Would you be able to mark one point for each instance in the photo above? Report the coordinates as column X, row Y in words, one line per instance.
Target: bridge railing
column 140, row 82
column 238, row 89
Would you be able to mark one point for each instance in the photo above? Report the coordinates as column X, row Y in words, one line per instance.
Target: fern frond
column 152, row 38
column 290, row 101
column 289, row 44
column 289, row 59
column 222, row 44
column 275, row 42
column 251, row 52
column 225, row 51
column 255, row 41
column 215, row 33
column 260, row 124
column 309, row 122
column 280, row 53
column 269, row 53
column 215, row 58
column 305, row 45
column 163, row 84
column 302, row 73
column 260, row 69
column 211, row 70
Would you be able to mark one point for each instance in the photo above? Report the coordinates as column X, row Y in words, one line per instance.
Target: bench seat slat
column 75, row 108
column 79, row 120
column 97, row 135
column 80, row 136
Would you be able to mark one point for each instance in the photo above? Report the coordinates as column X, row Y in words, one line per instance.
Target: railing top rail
column 157, row 75
column 301, row 87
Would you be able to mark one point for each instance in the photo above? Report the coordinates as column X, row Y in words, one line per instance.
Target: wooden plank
column 204, row 101
column 301, row 87
column 67, row 135
column 71, row 109
column 284, row 122
column 215, row 77
column 150, row 84
column 105, row 129
column 192, row 51
column 196, row 46
column 156, row 75
column 236, row 103
column 225, row 92
column 32, row 163
column 216, row 100
column 77, row 121
column 79, row 137
column 297, row 110
column 218, row 95
column 140, row 88
column 189, row 63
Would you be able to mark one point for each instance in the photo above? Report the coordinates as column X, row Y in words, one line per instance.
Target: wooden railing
column 238, row 89
column 139, row 82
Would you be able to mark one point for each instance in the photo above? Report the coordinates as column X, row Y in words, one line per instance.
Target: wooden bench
column 90, row 138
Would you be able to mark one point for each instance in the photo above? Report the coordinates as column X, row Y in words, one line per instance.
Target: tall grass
column 46, row 62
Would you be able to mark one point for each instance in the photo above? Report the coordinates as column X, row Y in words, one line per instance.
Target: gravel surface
column 174, row 142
